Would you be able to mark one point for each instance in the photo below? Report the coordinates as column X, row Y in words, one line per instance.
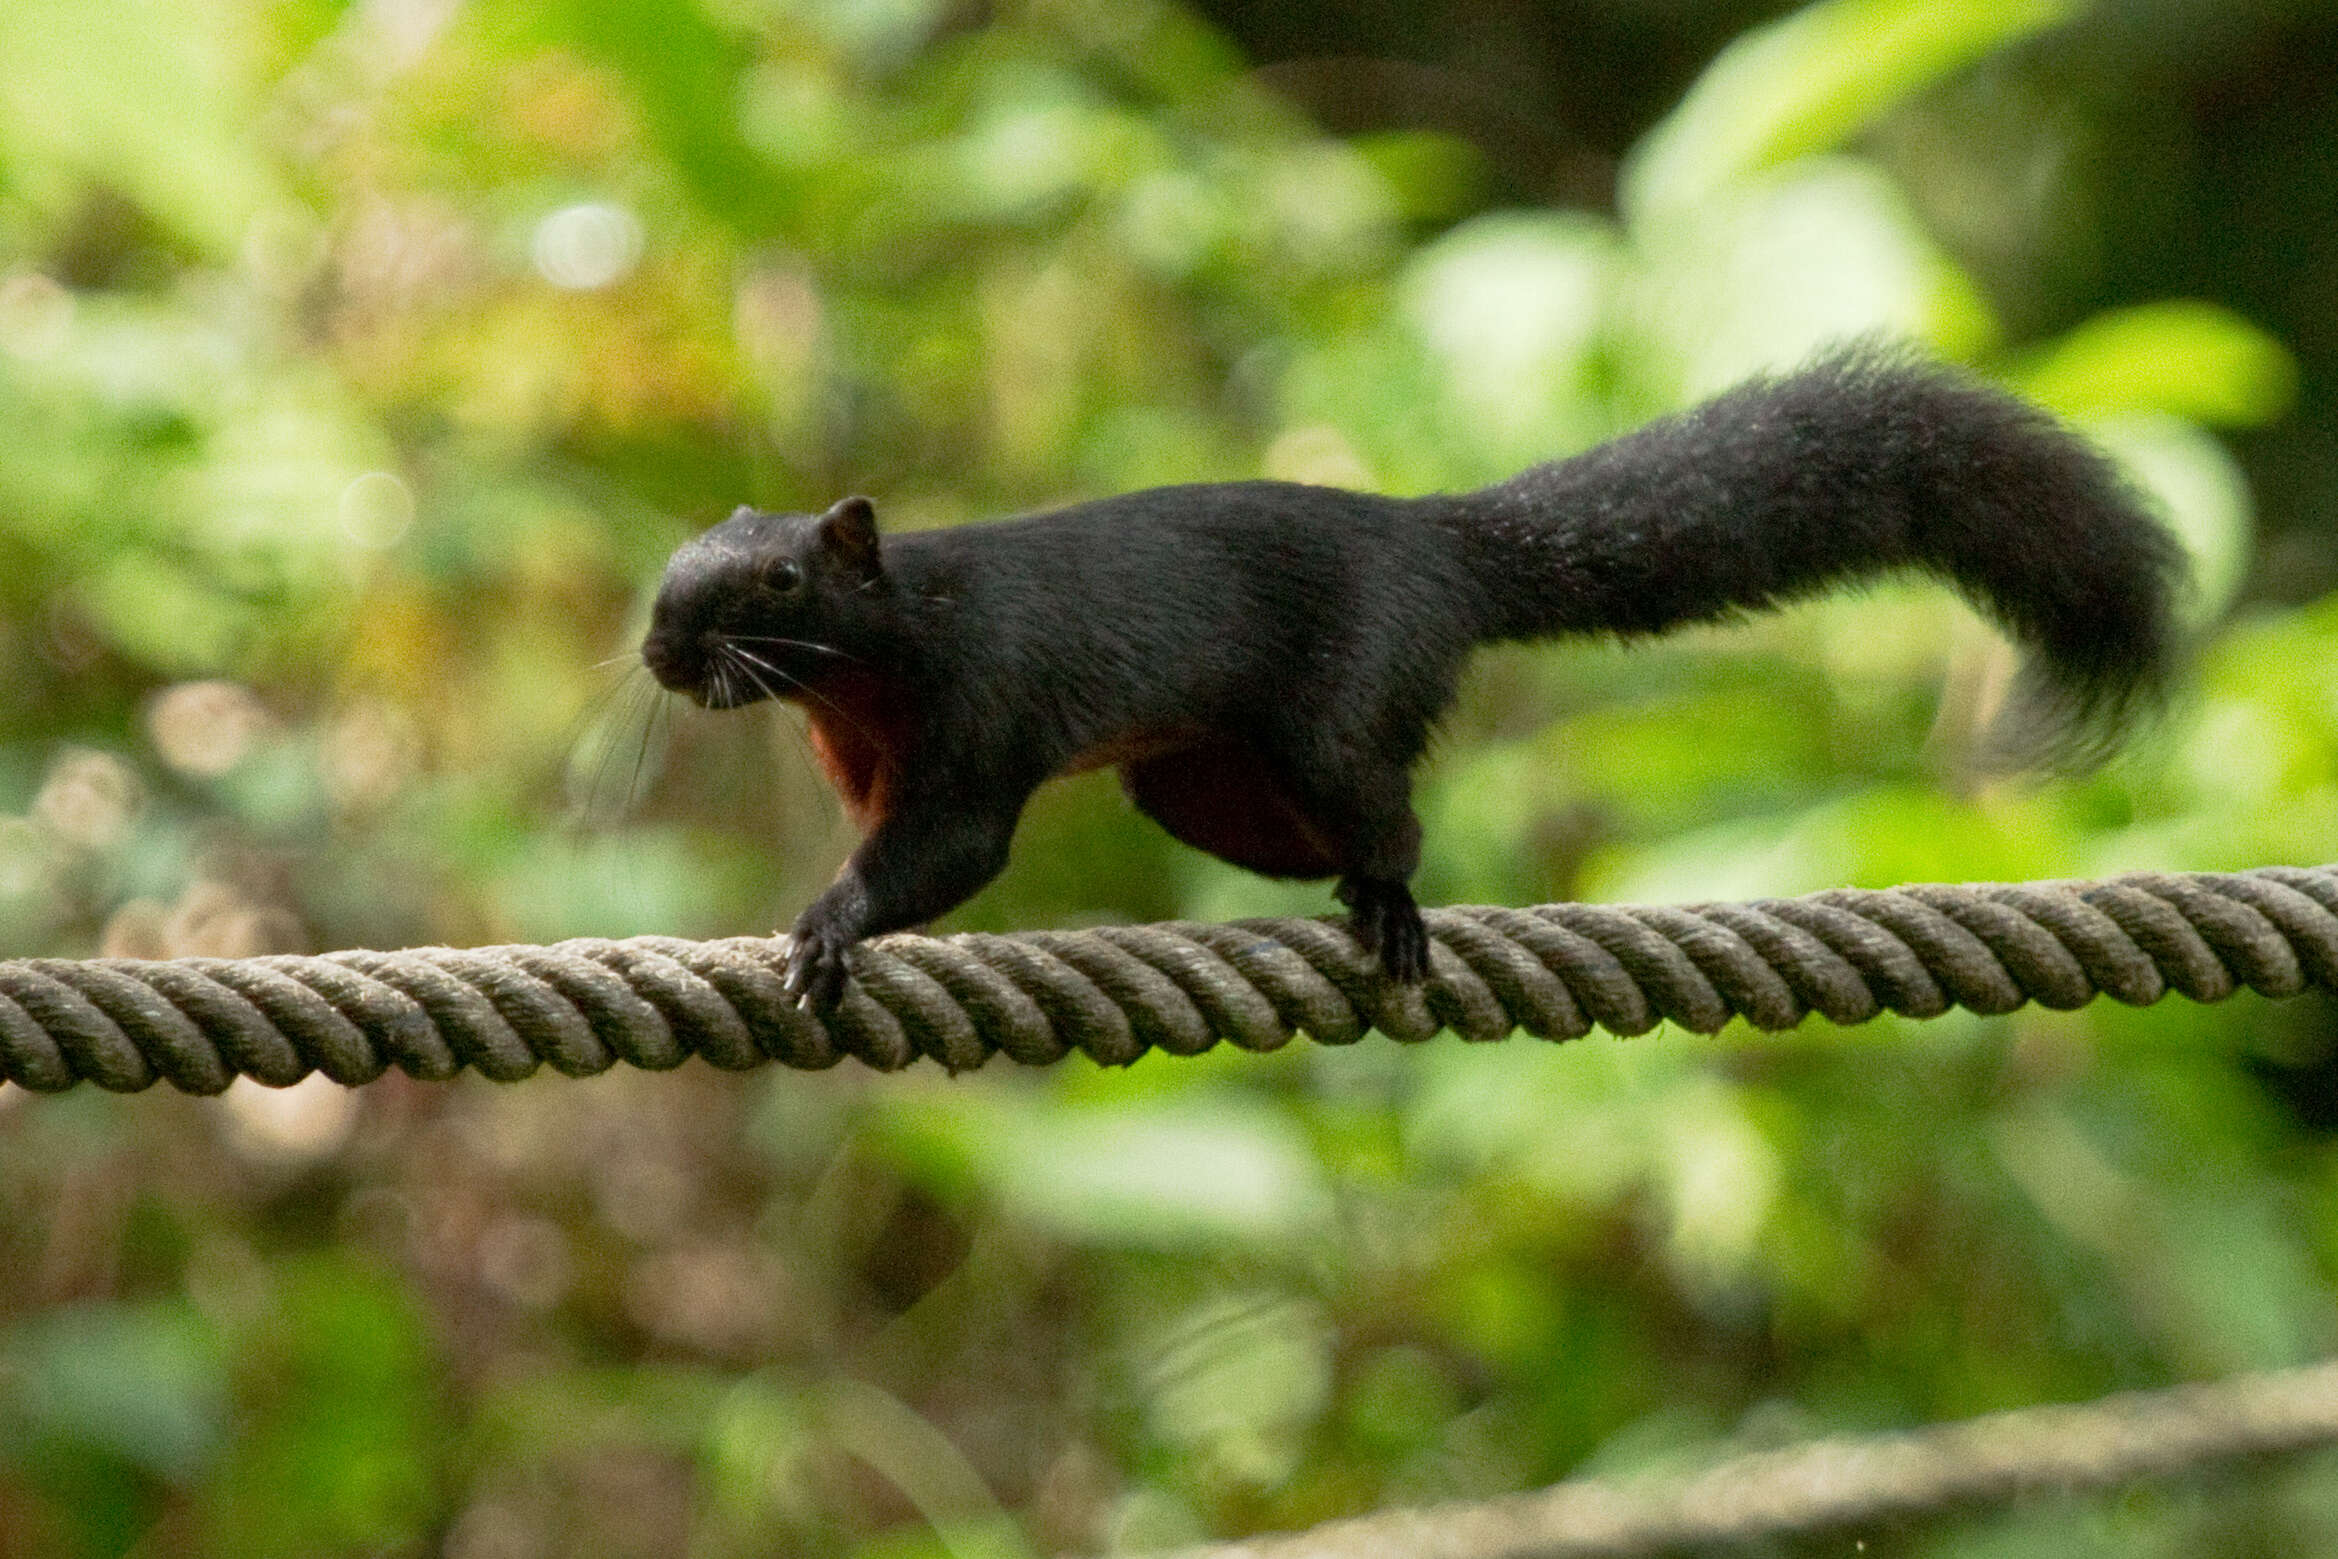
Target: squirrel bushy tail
column 1867, row 462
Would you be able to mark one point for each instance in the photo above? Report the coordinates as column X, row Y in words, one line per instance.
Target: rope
column 1118, row 991
column 1834, row 1484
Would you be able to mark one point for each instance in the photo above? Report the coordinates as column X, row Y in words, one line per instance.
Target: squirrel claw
column 816, row 969
column 1388, row 922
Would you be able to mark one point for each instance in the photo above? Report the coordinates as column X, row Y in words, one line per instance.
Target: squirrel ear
column 849, row 529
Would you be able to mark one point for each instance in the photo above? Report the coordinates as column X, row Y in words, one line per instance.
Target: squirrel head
column 763, row 604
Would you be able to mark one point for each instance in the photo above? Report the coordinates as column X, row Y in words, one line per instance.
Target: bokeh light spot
column 377, row 510
column 587, row 246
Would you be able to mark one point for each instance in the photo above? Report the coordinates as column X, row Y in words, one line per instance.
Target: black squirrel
column 1263, row 661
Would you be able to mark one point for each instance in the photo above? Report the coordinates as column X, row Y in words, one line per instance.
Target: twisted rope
column 1116, row 992
column 1836, row 1484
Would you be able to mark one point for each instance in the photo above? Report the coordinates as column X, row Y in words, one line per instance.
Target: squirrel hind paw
column 1388, row 923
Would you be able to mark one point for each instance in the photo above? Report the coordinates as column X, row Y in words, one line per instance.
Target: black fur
column 1864, row 464
column 1264, row 660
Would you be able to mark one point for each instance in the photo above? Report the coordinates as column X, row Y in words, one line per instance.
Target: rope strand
column 1836, row 1484
column 1555, row 972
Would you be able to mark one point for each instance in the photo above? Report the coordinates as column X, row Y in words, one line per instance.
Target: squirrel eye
column 784, row 575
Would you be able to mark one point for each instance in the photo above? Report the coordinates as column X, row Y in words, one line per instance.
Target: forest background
column 359, row 365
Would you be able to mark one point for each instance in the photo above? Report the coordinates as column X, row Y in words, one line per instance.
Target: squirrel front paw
column 1388, row 922
column 817, row 962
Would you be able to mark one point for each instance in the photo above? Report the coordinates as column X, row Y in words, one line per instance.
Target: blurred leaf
column 341, row 1447
column 685, row 73
column 757, row 1440
column 1592, row 1125
column 1876, row 838
column 1237, row 1379
column 1402, row 1398
column 920, row 1461
column 1514, row 307
column 167, row 616
column 877, row 32
column 2222, row 1287
column 1172, row 1173
column 146, row 1383
column 2194, row 360
column 1806, row 83
column 1771, row 271
column 155, row 101
column 627, row 882
column 1434, row 176
column 2202, row 493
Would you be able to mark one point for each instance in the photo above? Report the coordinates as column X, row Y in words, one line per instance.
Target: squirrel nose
column 665, row 660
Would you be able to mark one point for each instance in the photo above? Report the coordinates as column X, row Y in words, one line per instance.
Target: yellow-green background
column 360, row 364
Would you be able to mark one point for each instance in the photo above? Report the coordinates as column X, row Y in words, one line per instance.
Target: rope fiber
column 1116, row 992
column 1841, row 1484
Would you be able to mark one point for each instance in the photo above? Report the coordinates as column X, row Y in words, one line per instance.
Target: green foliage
column 360, row 365
column 341, row 1440
column 1806, row 84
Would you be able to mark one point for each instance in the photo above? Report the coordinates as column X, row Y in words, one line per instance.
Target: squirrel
column 1263, row 661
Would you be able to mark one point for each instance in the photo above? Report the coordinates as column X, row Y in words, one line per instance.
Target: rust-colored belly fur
column 1213, row 792
column 857, row 734
column 1219, row 795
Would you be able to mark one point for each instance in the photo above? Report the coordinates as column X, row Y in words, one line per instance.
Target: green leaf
column 1237, row 1378
column 685, row 73
column 1434, row 177
column 154, row 100
column 1513, row 307
column 2192, row 359
column 1147, row 1173
column 339, row 1450
column 144, row 1383
column 1775, row 268
column 624, row 882
column 2203, row 495
column 1807, row 83
column 932, row 1473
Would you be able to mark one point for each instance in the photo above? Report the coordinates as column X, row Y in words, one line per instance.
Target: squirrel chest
column 860, row 734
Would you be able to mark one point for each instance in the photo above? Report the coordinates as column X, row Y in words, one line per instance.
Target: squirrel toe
column 1387, row 922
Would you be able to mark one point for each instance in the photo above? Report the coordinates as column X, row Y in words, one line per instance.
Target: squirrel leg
column 1371, row 816
column 1387, row 921
column 1245, row 801
column 924, row 858
column 1226, row 797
